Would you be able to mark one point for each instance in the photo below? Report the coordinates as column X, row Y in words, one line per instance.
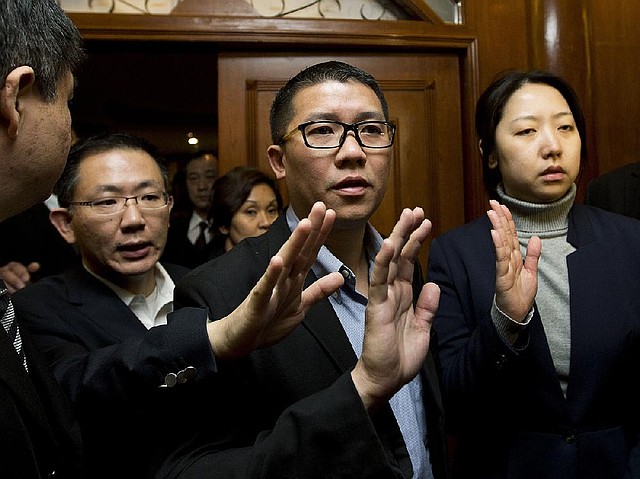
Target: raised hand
column 516, row 281
column 278, row 303
column 396, row 339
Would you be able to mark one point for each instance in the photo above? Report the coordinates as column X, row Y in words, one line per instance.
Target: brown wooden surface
column 594, row 46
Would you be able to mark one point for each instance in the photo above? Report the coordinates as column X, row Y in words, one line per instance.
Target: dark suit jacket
column 112, row 367
column 179, row 250
column 30, row 236
column 38, row 434
column 291, row 410
column 617, row 191
column 504, row 404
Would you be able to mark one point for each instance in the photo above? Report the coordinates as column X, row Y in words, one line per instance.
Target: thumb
column 33, row 267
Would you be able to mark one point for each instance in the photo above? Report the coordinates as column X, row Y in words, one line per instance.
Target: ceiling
column 158, row 90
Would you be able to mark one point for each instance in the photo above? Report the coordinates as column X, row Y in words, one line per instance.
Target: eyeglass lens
column 327, row 134
column 114, row 204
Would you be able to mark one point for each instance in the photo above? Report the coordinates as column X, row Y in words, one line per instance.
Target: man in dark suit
column 189, row 241
column 352, row 392
column 40, row 49
column 106, row 326
column 617, row 191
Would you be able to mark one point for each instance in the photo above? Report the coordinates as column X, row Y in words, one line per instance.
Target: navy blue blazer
column 113, row 369
column 291, row 410
column 505, row 405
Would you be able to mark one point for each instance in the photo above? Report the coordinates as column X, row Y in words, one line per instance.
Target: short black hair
column 38, row 33
column 282, row 107
column 100, row 143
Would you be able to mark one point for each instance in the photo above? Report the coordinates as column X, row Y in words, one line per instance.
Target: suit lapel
column 101, row 306
column 321, row 320
column 13, row 374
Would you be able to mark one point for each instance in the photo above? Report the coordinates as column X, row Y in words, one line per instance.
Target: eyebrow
column 120, row 189
column 362, row 116
column 534, row 117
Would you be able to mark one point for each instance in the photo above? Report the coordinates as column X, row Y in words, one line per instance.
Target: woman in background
column 539, row 356
column 244, row 203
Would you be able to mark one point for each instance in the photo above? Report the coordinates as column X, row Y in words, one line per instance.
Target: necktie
column 201, row 241
column 9, row 320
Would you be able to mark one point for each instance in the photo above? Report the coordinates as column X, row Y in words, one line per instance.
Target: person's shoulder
column 622, row 171
column 179, row 222
column 613, row 178
column 175, row 271
column 606, row 221
column 36, row 293
column 467, row 232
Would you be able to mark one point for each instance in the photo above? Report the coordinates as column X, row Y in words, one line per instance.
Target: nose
column 131, row 215
column 264, row 220
column 552, row 145
column 350, row 152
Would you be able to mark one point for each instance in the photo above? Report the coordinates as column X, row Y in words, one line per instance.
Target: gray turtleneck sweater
column 548, row 221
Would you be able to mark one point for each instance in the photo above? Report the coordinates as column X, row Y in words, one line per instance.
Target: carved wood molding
column 268, row 31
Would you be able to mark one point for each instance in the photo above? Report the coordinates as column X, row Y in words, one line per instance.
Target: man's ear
column 61, row 219
column 223, row 230
column 19, row 81
column 277, row 161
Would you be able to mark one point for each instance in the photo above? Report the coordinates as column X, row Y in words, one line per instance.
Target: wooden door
column 424, row 95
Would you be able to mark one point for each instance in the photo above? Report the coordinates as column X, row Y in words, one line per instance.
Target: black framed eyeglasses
column 109, row 205
column 331, row 134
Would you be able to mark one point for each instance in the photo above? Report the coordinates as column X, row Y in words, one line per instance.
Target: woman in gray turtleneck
column 538, row 327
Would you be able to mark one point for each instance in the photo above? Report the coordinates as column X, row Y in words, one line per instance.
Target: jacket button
column 170, row 380
column 187, row 374
column 570, row 438
column 500, row 362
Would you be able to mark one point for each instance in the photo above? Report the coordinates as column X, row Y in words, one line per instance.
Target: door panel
column 423, row 92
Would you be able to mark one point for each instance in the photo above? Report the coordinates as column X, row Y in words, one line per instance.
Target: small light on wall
column 191, row 139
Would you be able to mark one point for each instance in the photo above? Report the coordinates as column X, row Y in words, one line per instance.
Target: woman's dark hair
column 232, row 189
column 490, row 108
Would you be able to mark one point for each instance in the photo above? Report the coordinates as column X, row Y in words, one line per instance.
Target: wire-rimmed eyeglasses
column 331, row 134
column 109, row 205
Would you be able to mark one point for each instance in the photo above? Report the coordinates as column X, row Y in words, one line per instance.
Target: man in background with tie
column 40, row 50
column 189, row 240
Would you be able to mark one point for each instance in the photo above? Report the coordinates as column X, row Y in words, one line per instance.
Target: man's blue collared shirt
column 349, row 305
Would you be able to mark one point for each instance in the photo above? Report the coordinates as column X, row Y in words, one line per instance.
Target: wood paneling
column 592, row 43
column 615, row 74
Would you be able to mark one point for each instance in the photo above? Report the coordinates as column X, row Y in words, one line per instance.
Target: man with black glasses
column 352, row 391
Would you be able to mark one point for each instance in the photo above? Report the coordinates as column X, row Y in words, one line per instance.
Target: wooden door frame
column 244, row 34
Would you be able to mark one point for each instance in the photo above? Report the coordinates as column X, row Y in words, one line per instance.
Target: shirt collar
column 327, row 263
column 163, row 289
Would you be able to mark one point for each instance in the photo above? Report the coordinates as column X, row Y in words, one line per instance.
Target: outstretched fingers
column 399, row 251
column 505, row 239
column 300, row 251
